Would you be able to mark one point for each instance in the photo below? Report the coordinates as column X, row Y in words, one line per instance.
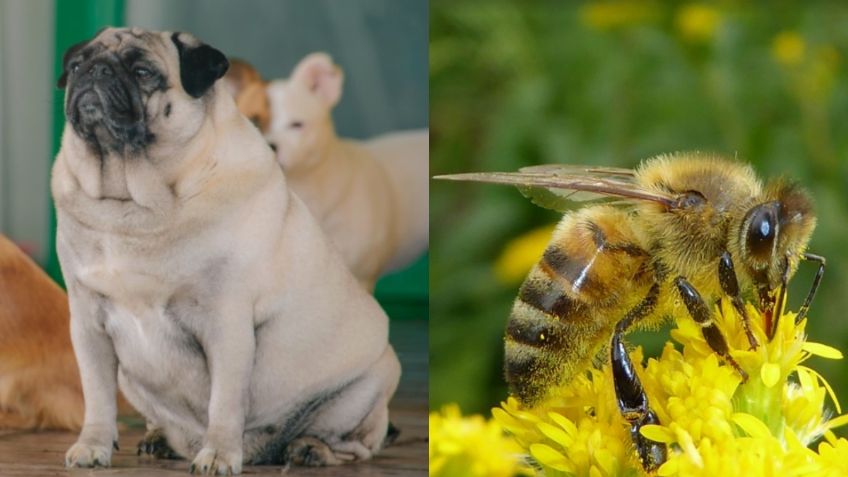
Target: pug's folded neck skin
column 133, row 135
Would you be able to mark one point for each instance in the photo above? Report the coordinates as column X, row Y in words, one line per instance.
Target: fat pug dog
column 197, row 282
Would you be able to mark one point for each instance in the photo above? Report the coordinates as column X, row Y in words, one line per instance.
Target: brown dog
column 39, row 379
column 247, row 87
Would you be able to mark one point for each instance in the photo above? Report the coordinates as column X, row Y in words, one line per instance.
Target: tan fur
column 203, row 287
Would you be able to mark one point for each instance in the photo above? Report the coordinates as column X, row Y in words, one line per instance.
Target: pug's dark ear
column 69, row 53
column 200, row 66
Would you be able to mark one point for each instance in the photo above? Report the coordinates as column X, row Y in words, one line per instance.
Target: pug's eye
column 296, row 124
column 142, row 73
column 75, row 67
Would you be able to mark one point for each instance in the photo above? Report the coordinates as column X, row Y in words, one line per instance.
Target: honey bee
column 680, row 230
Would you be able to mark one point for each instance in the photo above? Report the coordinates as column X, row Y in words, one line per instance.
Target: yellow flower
column 698, row 22
column 614, row 15
column 520, row 254
column 788, row 48
column 811, row 69
column 833, row 452
column 471, row 447
column 570, row 432
column 712, row 422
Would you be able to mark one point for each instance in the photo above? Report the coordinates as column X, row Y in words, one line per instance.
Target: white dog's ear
column 318, row 72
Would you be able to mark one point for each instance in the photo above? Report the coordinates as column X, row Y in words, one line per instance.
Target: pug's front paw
column 211, row 461
column 88, row 455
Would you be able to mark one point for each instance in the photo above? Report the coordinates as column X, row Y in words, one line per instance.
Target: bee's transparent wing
column 560, row 200
column 557, row 187
column 576, row 169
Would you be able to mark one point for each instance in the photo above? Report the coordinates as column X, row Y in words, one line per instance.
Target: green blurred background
column 520, row 83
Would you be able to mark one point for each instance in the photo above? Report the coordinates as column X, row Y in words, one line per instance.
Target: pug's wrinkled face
column 128, row 88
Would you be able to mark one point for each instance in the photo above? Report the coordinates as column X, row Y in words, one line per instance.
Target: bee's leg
column 730, row 286
column 701, row 314
column 802, row 312
column 631, row 398
column 777, row 310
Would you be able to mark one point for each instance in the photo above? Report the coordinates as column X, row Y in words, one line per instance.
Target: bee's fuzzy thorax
column 689, row 242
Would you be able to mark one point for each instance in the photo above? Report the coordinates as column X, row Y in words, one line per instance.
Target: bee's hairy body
column 682, row 230
column 603, row 260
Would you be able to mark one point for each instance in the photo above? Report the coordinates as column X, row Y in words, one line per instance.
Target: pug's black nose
column 101, row 70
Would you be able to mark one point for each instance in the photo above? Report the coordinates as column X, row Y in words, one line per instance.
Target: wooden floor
column 37, row 454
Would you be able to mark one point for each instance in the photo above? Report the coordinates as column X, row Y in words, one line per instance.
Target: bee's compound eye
column 762, row 229
column 691, row 199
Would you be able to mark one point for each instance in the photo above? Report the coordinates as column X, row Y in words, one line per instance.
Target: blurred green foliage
column 520, row 83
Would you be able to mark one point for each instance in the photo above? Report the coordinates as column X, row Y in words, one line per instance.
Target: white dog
column 370, row 197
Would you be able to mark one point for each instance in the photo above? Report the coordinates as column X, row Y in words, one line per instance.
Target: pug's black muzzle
column 105, row 108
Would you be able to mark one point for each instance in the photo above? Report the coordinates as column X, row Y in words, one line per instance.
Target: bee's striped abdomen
column 569, row 302
column 550, row 300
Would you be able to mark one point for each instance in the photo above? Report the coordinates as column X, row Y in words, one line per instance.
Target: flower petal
column 826, row 386
column 822, row 350
column 564, row 423
column 751, row 425
column 549, row 457
column 770, row 374
column 837, row 421
column 503, row 417
column 606, row 461
column 556, row 434
column 670, row 467
column 658, row 433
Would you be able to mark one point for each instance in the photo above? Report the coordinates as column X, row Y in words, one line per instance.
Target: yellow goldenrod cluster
column 618, row 14
column 788, row 48
column 695, row 22
column 812, row 69
column 712, row 422
column 471, row 447
column 698, row 22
